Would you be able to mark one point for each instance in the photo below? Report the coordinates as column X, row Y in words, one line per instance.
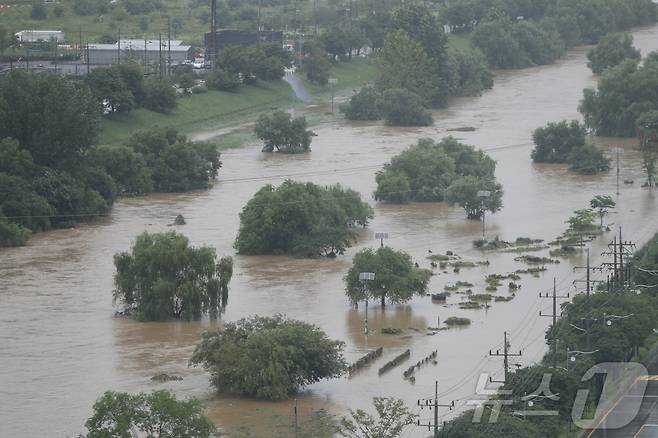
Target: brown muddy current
column 61, row 346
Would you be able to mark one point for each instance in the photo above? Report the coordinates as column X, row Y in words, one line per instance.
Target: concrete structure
column 36, row 36
column 230, row 37
column 145, row 52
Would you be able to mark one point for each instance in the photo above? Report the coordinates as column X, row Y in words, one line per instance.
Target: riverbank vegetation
column 301, row 219
column 163, row 277
column 624, row 93
column 565, row 142
column 157, row 415
column 612, row 50
column 397, row 279
column 53, row 173
column 445, row 171
column 295, row 354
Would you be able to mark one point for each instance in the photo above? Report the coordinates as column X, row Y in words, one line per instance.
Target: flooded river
column 61, row 346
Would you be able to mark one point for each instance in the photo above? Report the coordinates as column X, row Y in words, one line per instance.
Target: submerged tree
column 156, row 415
column 465, row 192
column 392, row 417
column 281, row 132
column 602, row 204
column 612, row 50
column 163, row 277
column 396, row 277
column 301, row 219
column 268, row 357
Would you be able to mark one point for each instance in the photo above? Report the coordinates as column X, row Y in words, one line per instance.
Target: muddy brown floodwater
column 61, row 347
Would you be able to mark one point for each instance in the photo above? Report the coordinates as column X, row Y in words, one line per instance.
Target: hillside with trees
column 301, row 219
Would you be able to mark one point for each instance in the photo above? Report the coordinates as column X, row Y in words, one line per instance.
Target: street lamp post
column 483, row 195
column 363, row 277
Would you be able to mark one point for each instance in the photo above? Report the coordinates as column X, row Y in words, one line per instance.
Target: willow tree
column 163, row 277
column 396, row 277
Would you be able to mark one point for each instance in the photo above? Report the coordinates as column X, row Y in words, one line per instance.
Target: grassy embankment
column 215, row 110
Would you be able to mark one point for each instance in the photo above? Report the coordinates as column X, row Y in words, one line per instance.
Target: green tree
column 470, row 73
column 160, row 96
column 401, row 107
column 506, row 425
column 611, row 51
column 392, row 418
column 464, row 192
column 582, row 221
column 647, row 129
column 111, row 90
column 157, row 415
column 403, row 63
column 222, row 80
column 317, row 66
column 38, row 11
column 602, row 204
column 281, row 132
column 644, row 266
column 53, row 118
column 175, row 163
column 396, row 278
column 363, row 105
column 625, row 92
column 554, row 142
column 12, row 234
column 588, row 159
column 301, row 219
column 424, row 171
column 164, row 277
column 127, row 167
column 268, row 358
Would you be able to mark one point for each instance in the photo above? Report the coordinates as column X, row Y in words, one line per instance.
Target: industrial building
column 39, row 36
column 145, row 52
column 230, row 37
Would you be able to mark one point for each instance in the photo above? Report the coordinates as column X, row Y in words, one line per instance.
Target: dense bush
column 281, row 132
column 363, row 105
column 222, row 80
column 162, row 277
column 424, row 171
column 159, row 96
column 268, row 357
column 317, row 67
column 588, row 159
column 554, row 142
column 266, row 62
column 301, row 219
column 612, row 50
column 470, row 73
column 624, row 93
column 464, row 192
column 400, row 107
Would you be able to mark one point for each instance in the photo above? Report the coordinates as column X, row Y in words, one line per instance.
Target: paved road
column 645, row 424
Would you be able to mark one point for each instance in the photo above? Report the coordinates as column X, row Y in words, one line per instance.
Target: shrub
column 588, row 159
column 222, row 80
column 281, row 132
column 403, row 108
column 160, row 96
column 363, row 105
column 554, row 142
column 612, row 50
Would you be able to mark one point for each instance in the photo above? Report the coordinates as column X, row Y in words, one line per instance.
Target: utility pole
column 119, row 47
column 88, row 61
column 554, row 316
column 168, row 46
column 618, row 248
column 363, row 278
column 160, row 55
column 433, row 404
column 212, row 49
column 505, row 355
column 588, row 281
column 296, row 420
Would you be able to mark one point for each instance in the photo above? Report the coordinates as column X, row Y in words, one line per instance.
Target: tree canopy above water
column 301, row 219
column 163, row 277
column 424, row 171
column 268, row 358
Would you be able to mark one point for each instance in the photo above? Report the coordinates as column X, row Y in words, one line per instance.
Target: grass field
column 211, row 110
column 351, row 75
